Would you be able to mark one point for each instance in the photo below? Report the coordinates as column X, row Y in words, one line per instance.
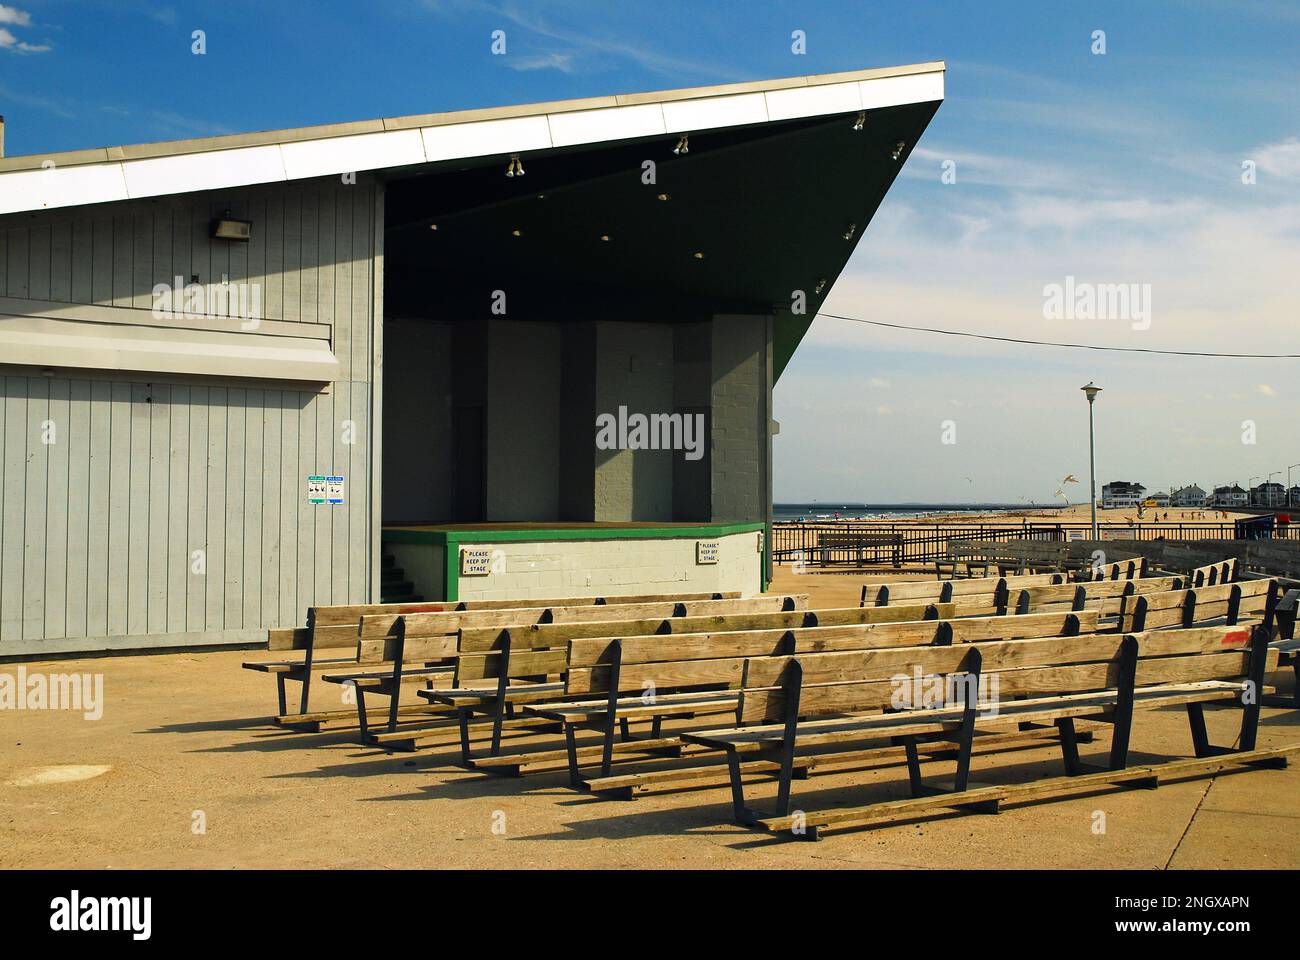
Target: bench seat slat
column 918, row 722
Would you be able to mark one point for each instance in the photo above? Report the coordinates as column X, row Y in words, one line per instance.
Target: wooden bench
column 1230, row 601
column 336, row 627
column 976, row 593
column 385, row 664
column 1209, row 575
column 892, row 543
column 495, row 704
column 692, row 675
column 833, row 702
column 1104, row 594
column 1115, row 570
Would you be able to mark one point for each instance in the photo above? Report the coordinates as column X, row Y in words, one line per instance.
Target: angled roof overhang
column 775, row 192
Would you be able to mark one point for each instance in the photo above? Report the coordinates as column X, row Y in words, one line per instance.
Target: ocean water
column 830, row 509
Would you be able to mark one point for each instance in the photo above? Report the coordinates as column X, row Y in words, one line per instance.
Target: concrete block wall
column 741, row 407
column 523, row 421
column 604, row 567
column 634, row 369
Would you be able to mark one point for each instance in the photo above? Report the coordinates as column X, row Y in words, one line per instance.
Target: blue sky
column 1122, row 167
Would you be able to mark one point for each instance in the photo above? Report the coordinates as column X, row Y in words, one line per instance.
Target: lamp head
column 1091, row 391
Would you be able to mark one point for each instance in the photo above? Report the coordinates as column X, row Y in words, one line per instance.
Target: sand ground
column 184, row 739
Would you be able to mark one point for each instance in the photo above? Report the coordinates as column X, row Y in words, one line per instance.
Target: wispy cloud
column 1282, row 160
column 12, row 16
column 579, row 49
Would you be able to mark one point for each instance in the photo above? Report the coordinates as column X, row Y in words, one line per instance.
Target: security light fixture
column 898, row 150
column 698, row 255
column 851, row 231
column 861, row 121
column 227, row 228
column 683, row 146
column 516, row 232
column 515, row 168
column 664, row 196
column 605, row 237
column 821, row 285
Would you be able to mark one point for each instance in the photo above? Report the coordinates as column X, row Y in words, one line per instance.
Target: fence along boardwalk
column 924, row 543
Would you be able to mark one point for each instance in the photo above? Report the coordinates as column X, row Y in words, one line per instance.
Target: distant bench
column 891, row 543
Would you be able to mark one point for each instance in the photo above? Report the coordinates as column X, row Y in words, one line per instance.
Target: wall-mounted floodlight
column 683, row 146
column 227, row 228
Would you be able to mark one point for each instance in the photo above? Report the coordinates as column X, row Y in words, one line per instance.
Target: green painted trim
column 451, row 570
column 451, row 540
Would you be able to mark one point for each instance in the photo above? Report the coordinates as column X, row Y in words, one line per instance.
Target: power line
column 1074, row 346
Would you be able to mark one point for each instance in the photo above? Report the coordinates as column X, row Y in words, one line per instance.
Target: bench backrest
column 959, row 591
column 557, row 634
column 1196, row 605
column 713, row 659
column 425, row 624
column 869, row 680
column 350, row 614
column 1071, row 596
column 1119, row 569
column 1212, row 574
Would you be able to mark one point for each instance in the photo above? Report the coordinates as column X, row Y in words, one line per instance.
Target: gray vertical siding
column 98, row 529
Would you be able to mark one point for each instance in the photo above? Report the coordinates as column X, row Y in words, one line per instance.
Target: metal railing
column 922, row 543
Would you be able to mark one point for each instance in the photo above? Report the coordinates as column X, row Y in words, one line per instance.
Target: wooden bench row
column 999, row 594
column 336, row 628
column 833, row 702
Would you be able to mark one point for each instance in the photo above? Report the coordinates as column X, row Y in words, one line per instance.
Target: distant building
column 1230, row 496
column 1190, row 496
column 1156, row 500
column 1121, row 493
column 1293, row 496
column 1268, row 495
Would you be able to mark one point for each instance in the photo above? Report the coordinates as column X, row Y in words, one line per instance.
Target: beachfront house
column 1293, row 496
column 1189, row 496
column 1229, row 496
column 1121, row 493
column 1268, row 495
column 1156, row 500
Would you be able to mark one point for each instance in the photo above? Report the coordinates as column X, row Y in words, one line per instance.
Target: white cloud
column 1266, row 390
column 19, row 18
column 1280, row 159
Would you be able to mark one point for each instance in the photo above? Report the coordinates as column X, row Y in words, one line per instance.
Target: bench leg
column 362, row 719
column 740, row 813
column 395, row 696
column 279, row 683
column 306, row 689
column 462, row 717
column 571, row 745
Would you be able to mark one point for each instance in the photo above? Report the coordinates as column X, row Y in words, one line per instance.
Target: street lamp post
column 1288, row 483
column 1269, row 479
column 1092, row 392
column 1250, row 491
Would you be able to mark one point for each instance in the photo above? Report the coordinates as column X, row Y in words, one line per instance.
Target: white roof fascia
column 302, row 155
